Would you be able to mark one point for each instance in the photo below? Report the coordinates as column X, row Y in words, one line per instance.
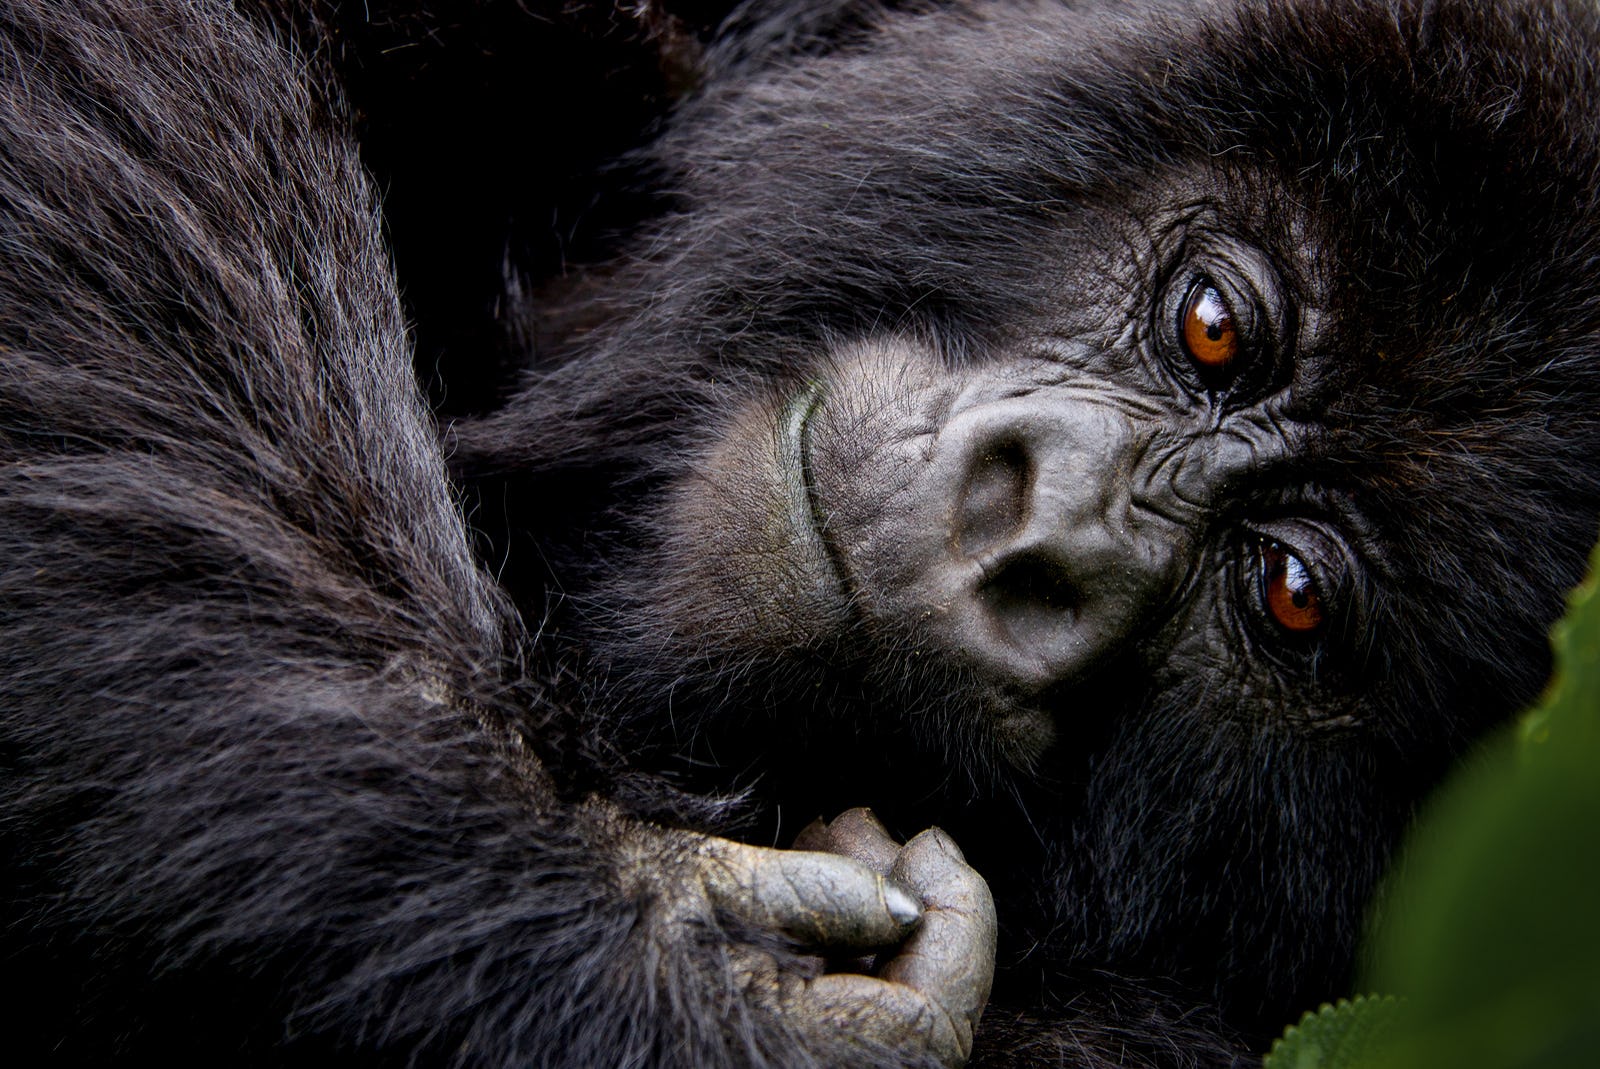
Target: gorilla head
column 1180, row 420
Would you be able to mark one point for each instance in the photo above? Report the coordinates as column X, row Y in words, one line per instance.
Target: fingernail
column 864, row 814
column 902, row 907
column 947, row 844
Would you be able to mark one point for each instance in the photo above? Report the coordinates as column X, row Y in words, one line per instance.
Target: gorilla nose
column 1067, row 567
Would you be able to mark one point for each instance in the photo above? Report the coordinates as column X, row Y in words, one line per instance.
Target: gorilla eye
column 1206, row 326
column 1288, row 591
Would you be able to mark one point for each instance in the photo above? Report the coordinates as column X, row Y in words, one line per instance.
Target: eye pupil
column 1206, row 328
column 1289, row 593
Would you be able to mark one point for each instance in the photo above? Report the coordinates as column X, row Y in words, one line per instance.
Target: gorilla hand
column 951, row 954
column 781, row 912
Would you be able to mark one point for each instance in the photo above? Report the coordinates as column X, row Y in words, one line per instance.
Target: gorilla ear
column 762, row 33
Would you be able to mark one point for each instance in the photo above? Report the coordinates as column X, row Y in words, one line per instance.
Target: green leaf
column 1493, row 930
column 1343, row 1036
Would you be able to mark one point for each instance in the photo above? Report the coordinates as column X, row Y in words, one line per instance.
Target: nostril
column 994, row 500
column 1031, row 596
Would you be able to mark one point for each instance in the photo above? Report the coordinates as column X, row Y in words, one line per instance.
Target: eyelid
column 1243, row 303
column 1320, row 549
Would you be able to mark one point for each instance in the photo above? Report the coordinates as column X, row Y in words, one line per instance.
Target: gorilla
column 1146, row 441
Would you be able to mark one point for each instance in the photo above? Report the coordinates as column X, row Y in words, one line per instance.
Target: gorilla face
column 1117, row 476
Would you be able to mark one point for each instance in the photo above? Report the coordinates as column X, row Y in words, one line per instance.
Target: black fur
column 288, row 778
column 266, row 796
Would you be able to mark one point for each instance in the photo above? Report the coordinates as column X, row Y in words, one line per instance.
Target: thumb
column 817, row 899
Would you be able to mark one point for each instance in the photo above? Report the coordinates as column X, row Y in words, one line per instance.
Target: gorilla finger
column 821, row 900
column 889, row 1015
column 855, row 833
column 951, row 956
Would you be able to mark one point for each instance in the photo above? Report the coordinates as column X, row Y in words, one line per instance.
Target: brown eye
column 1207, row 328
column 1288, row 591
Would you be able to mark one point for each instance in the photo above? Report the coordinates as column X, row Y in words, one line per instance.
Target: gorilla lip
column 794, row 448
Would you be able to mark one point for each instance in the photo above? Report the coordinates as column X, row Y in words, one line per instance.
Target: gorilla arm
column 273, row 775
